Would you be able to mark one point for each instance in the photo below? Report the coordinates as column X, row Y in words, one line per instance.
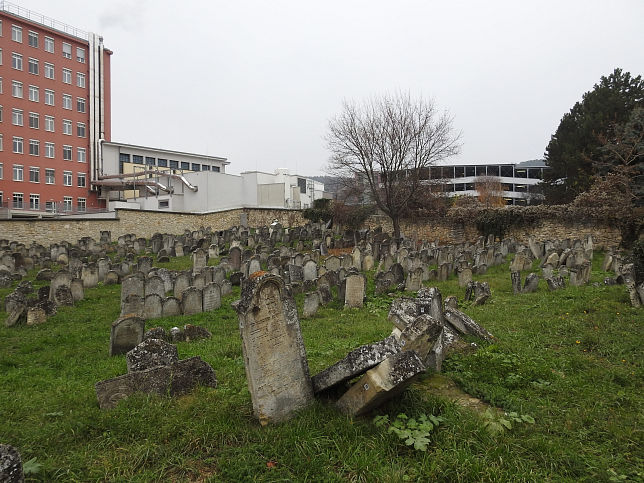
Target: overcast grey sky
column 258, row 81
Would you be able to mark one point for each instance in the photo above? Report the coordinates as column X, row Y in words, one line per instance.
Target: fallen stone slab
column 383, row 382
column 465, row 325
column 174, row 380
column 151, row 353
column 357, row 362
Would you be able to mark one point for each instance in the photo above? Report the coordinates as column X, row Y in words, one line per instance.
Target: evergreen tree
column 582, row 132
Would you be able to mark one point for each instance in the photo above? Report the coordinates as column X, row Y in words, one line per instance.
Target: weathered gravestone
column 151, row 353
column 235, row 255
column 192, row 301
column 36, row 316
column 386, row 380
column 531, row 283
column 311, row 304
column 211, row 297
column 172, row 380
column 126, row 334
column 152, row 306
column 353, row 288
column 274, row 353
column 199, row 260
column 171, row 307
column 77, row 290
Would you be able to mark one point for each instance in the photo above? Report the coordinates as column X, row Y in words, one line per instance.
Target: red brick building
column 54, row 113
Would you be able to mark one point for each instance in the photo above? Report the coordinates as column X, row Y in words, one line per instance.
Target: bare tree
column 490, row 191
column 390, row 141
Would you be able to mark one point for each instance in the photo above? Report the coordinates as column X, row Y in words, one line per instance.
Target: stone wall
column 443, row 231
column 142, row 223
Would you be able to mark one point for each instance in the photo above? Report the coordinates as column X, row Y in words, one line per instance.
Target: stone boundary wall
column 147, row 223
column 445, row 232
column 142, row 223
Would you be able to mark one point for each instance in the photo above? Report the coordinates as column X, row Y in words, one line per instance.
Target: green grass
column 572, row 359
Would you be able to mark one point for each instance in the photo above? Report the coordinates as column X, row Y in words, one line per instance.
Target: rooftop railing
column 38, row 18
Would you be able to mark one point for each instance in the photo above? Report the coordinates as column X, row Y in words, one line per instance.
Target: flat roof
column 166, row 151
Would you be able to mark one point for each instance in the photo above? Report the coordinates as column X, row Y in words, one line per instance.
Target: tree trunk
column 396, row 222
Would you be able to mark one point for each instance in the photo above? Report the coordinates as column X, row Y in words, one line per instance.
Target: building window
column 34, row 175
column 174, row 164
column 16, row 89
column 470, row 170
column 205, row 167
column 81, row 205
column 1, row 144
column 80, row 55
column 17, row 145
column 80, row 129
column 34, row 147
column 185, row 165
column 136, row 159
column 49, row 176
column 18, row 172
column 49, row 45
column 67, row 155
column 67, row 178
column 216, row 169
column 150, row 161
column 124, row 157
column 67, row 127
column 49, row 123
column 16, row 33
column 80, row 104
column 67, row 50
column 67, row 203
column 80, row 180
column 1, row 170
column 81, row 155
column 1, row 110
column 49, row 97
column 164, row 203
column 67, row 101
column 34, row 120
column 507, row 171
column 34, row 94
column 67, row 76
column 80, row 79
column 16, row 117
column 33, row 66
column 17, row 200
column 49, row 150
column 162, row 162
column 49, row 70
column 34, row 202
column 196, row 167
column 32, row 38
column 16, row 61
column 521, row 173
column 1, row 85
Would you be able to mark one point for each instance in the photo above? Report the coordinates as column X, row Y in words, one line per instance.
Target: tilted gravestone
column 273, row 349
column 126, row 333
column 61, row 278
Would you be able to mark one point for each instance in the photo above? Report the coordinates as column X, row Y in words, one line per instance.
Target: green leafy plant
column 496, row 424
column 31, row 467
column 411, row 431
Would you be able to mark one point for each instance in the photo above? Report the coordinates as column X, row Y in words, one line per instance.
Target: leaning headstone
column 355, row 363
column 378, row 385
column 464, row 276
column 126, row 334
column 10, row 465
column 274, row 354
column 77, row 289
column 61, row 278
column 63, row 296
column 174, row 380
column 515, row 276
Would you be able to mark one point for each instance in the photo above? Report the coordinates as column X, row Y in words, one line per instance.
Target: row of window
column 50, row 206
column 50, row 176
column 17, row 90
column 49, row 151
column 33, row 67
column 17, row 119
column 166, row 163
column 49, row 45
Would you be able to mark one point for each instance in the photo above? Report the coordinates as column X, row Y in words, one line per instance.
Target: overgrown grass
column 572, row 359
